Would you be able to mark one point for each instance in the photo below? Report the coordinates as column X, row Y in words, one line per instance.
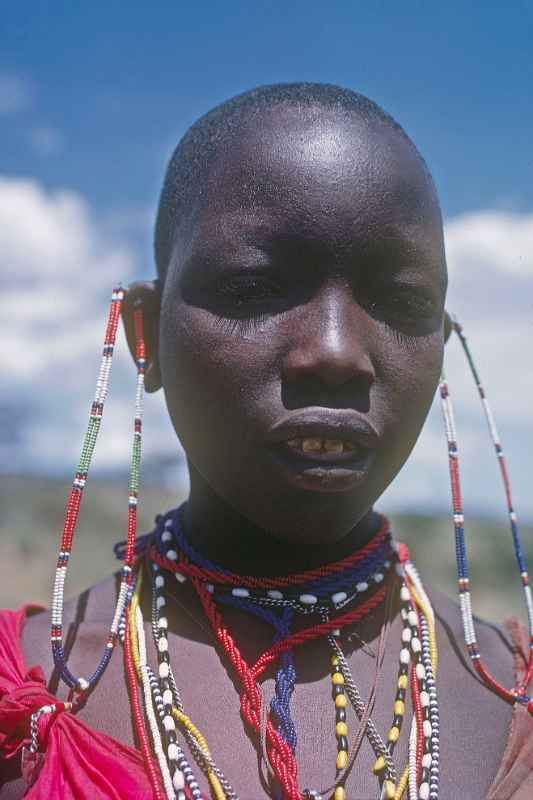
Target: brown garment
column 485, row 746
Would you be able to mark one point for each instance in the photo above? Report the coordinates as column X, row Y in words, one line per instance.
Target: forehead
column 329, row 177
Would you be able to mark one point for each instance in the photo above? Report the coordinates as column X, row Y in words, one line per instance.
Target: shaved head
column 221, row 129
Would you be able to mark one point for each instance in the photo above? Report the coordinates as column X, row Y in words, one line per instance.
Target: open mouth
column 323, row 465
column 324, row 450
column 317, row 448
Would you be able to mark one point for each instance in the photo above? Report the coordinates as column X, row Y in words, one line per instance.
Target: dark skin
column 310, row 280
column 301, row 285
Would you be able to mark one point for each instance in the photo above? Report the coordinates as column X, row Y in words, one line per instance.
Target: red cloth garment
column 80, row 762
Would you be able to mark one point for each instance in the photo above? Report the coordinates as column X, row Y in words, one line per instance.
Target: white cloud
column 59, row 264
column 16, row 93
column 41, row 232
column 490, row 260
column 491, row 240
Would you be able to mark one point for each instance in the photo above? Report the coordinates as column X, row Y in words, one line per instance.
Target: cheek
column 209, row 375
column 410, row 377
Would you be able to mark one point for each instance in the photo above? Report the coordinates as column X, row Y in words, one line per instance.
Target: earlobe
column 147, row 294
column 448, row 326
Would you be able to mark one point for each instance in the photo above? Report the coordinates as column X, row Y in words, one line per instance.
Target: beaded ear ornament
column 80, row 686
column 518, row 694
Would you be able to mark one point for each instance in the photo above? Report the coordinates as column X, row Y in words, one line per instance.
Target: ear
column 147, row 294
column 448, row 326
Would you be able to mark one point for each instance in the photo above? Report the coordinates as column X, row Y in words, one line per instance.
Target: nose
column 331, row 343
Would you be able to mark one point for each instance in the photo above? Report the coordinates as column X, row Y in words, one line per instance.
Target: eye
column 241, row 291
column 404, row 305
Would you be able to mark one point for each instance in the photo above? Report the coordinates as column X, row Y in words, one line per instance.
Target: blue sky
column 121, row 82
column 93, row 97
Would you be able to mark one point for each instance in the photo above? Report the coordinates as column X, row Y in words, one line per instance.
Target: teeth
column 311, row 445
column 333, row 446
column 318, row 445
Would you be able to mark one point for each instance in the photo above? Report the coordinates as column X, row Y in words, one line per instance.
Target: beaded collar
column 326, row 589
column 325, row 592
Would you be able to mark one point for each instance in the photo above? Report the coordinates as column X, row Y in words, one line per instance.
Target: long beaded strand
column 338, row 660
column 380, row 748
column 220, row 787
column 429, row 661
column 171, row 705
column 424, row 736
column 79, row 684
column 153, row 697
column 517, row 693
column 341, row 728
column 177, row 762
column 139, row 659
column 197, row 743
column 502, row 463
column 149, row 763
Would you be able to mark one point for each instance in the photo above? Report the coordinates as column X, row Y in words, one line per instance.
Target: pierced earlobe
column 448, row 326
column 148, row 294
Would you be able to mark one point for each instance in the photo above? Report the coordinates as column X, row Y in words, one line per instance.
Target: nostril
column 331, row 369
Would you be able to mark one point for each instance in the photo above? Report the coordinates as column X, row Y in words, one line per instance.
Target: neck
column 233, row 542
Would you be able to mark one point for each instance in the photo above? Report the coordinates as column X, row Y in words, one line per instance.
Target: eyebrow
column 255, row 230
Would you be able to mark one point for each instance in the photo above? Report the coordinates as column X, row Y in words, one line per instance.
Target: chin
column 308, row 516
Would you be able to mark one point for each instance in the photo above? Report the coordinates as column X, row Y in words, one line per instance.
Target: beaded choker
column 329, row 588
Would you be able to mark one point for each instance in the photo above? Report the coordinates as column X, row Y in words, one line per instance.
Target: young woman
column 297, row 328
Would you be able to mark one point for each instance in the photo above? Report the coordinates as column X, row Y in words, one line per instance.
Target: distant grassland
column 32, row 518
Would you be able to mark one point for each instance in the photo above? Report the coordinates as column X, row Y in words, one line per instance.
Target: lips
column 325, row 435
column 325, row 450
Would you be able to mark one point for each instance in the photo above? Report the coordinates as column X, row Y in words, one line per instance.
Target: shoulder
column 94, row 605
column 496, row 646
column 492, row 637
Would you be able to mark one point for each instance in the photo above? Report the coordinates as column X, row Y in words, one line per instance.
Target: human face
column 301, row 333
